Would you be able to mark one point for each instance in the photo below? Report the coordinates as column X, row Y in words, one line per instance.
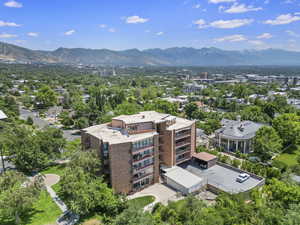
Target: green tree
column 17, row 195
column 254, row 113
column 46, row 97
column 190, row 109
column 134, row 216
column 288, row 128
column 267, row 142
column 83, row 189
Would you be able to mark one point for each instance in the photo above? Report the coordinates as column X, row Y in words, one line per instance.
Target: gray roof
column 2, row 115
column 238, row 129
column 182, row 177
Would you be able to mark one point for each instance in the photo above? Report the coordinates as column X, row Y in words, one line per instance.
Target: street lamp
column 2, row 117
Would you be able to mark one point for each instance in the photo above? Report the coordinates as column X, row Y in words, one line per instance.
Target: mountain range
column 177, row 56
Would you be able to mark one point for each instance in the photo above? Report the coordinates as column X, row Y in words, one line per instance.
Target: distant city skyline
column 143, row 24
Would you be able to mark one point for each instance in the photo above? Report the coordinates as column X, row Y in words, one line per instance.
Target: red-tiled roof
column 204, row 156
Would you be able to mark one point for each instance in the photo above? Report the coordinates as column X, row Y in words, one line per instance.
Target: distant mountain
column 151, row 57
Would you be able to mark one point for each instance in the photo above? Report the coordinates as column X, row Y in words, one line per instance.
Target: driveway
column 161, row 192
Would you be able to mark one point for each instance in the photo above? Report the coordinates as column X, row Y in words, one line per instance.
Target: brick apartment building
column 132, row 148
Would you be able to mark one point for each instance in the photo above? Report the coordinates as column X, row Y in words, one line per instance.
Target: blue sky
column 142, row 24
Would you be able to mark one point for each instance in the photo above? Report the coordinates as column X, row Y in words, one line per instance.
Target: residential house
column 236, row 135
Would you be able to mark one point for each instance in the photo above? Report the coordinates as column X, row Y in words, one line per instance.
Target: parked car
column 242, row 177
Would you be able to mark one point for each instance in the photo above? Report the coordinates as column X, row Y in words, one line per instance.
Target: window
column 105, row 150
column 142, row 143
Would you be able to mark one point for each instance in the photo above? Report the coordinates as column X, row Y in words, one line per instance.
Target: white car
column 242, row 177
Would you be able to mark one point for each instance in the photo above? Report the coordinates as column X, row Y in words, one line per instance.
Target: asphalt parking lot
column 222, row 178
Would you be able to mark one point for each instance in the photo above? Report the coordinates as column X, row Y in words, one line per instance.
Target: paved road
column 37, row 121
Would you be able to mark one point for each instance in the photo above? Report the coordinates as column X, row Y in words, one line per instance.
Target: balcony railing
column 182, row 143
column 140, row 158
column 142, row 167
column 183, row 151
column 182, row 159
column 141, row 177
column 142, row 148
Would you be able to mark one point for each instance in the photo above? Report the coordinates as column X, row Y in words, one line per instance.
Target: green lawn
column 288, row 158
column 45, row 211
column 141, row 202
column 58, row 170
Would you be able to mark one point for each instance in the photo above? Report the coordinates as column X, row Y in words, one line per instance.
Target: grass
column 58, row 170
column 45, row 211
column 290, row 159
column 141, row 202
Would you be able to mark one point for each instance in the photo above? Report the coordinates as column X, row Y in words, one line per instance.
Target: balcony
column 182, row 159
column 135, row 150
column 186, row 150
column 182, row 143
column 137, row 157
column 135, row 170
column 141, row 177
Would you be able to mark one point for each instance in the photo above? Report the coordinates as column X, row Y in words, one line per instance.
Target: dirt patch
column 92, row 222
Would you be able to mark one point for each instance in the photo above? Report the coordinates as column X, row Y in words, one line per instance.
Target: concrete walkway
column 51, row 179
column 161, row 192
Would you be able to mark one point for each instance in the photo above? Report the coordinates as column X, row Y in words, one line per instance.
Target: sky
column 143, row 24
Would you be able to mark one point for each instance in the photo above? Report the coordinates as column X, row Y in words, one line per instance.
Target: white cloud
column 33, row 34
column 232, row 38
column 136, row 19
column 197, row 6
column 256, row 42
column 230, row 24
column 283, row 19
column 200, row 23
column 147, row 31
column 160, row 33
column 292, row 33
column 220, row 1
column 265, row 36
column 5, row 35
column 70, row 32
column 102, row 26
column 297, row 13
column 20, row 41
column 13, row 4
column 8, row 24
column 112, row 30
column 241, row 8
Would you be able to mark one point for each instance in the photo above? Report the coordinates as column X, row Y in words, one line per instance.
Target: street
column 41, row 123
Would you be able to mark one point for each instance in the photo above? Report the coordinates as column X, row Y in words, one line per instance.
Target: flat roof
column 155, row 117
column 221, row 177
column 182, row 177
column 2, row 115
column 115, row 135
column 204, row 156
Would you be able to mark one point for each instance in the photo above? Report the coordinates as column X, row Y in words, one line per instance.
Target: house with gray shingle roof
column 237, row 135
